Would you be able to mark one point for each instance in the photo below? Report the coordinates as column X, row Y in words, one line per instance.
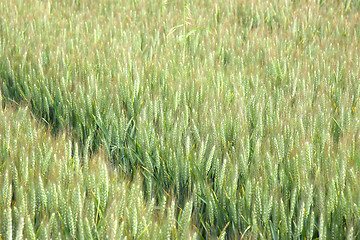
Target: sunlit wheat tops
column 179, row 119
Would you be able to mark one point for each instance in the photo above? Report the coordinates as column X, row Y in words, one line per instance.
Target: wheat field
column 179, row 119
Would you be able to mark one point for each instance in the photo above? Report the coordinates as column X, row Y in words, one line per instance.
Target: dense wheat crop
column 179, row 119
